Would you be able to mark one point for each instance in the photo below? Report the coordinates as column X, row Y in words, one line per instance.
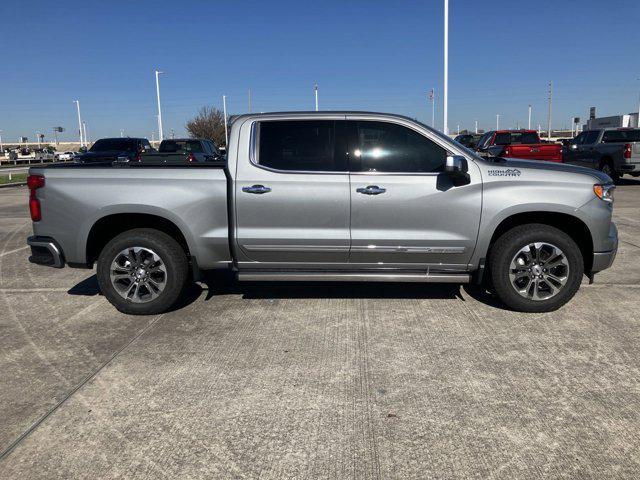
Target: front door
column 292, row 197
column 405, row 212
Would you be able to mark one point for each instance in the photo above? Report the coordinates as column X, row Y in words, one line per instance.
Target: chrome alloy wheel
column 539, row 271
column 138, row 274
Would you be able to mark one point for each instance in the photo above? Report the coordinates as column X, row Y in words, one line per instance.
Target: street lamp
column 497, row 121
column 77, row 102
column 445, row 112
column 158, row 73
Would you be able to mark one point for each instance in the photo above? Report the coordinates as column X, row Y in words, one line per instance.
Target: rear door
column 292, row 196
column 405, row 212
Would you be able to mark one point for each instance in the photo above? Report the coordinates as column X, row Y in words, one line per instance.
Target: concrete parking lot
column 314, row 380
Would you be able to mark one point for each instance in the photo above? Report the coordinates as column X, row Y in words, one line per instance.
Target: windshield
column 180, row 146
column 113, row 144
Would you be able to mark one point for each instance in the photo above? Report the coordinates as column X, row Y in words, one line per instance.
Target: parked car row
column 614, row 151
column 172, row 151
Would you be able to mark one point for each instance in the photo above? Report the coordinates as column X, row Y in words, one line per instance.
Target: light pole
column 529, row 127
column 497, row 121
column 172, row 134
column 432, row 98
column 1, row 147
column 549, row 112
column 458, row 129
column 224, row 108
column 476, row 126
column 158, row 73
column 84, row 132
column 445, row 99
column 121, row 133
column 77, row 102
column 638, row 107
column 315, row 91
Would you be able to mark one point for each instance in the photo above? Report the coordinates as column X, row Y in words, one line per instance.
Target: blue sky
column 365, row 55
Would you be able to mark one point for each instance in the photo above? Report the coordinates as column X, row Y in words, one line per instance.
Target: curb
column 17, row 184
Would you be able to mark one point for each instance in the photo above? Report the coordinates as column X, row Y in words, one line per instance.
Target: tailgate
column 549, row 152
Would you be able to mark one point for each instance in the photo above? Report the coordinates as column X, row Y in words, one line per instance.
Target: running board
column 258, row 276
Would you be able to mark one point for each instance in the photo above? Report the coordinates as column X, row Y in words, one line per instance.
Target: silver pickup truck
column 328, row 196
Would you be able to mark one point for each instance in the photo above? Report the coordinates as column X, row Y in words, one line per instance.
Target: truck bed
column 193, row 197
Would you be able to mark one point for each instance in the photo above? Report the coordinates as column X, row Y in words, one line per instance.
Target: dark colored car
column 184, row 150
column 108, row 150
column 469, row 140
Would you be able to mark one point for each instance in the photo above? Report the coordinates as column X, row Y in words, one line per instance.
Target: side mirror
column 456, row 167
column 456, row 164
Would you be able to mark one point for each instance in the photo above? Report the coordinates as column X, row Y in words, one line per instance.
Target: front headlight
column 604, row 192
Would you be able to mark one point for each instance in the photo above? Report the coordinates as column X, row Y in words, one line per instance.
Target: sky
column 365, row 55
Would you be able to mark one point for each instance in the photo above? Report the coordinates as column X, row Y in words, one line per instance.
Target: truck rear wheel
column 142, row 271
column 536, row 268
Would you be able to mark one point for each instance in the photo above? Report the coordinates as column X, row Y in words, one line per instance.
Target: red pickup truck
column 524, row 144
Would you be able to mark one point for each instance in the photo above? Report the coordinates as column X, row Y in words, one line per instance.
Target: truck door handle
column 259, row 189
column 371, row 190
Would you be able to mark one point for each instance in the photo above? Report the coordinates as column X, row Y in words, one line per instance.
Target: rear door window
column 298, row 145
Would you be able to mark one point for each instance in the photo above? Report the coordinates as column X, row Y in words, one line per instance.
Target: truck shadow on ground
column 224, row 283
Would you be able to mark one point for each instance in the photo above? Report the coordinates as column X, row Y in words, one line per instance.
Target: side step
column 280, row 276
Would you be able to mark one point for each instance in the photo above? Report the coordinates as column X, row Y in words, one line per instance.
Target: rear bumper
column 45, row 251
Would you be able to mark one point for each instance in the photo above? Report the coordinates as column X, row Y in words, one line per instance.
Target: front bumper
column 45, row 251
column 603, row 260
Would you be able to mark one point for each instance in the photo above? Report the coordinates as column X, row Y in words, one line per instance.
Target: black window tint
column 100, row 145
column 524, row 138
column 484, row 140
column 579, row 140
column 387, row 147
column 591, row 137
column 619, row 136
column 304, row 145
column 502, row 138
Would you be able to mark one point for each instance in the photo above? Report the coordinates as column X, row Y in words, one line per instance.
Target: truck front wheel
column 536, row 268
column 142, row 271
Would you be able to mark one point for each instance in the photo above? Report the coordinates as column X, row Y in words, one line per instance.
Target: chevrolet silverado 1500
column 328, row 196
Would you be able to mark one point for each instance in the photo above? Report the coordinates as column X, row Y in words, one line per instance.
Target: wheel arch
column 569, row 224
column 109, row 226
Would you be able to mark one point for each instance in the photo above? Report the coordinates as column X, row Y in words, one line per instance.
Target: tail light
column 34, row 182
column 506, row 152
column 192, row 157
column 627, row 150
column 138, row 155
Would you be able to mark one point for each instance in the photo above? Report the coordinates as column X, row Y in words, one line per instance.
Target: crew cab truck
column 319, row 196
column 614, row 151
column 184, row 150
column 524, row 144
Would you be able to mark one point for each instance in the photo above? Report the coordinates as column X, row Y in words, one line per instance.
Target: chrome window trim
column 253, row 144
column 253, row 147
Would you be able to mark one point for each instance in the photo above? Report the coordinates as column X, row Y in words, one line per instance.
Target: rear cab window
column 298, row 145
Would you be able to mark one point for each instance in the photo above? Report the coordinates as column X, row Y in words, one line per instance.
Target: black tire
column 510, row 243
column 175, row 273
column 606, row 166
